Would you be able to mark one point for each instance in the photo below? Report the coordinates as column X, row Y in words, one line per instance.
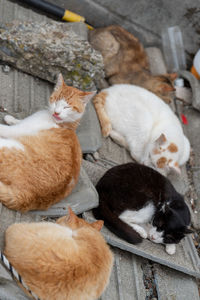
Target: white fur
column 171, row 249
column 135, row 217
column 141, row 216
column 10, row 143
column 139, row 229
column 10, row 120
column 31, row 125
column 156, row 236
column 141, row 117
column 41, row 120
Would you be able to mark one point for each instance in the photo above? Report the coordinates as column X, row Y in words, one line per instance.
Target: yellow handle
column 72, row 17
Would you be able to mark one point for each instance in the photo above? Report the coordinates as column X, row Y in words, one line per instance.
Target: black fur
column 132, row 186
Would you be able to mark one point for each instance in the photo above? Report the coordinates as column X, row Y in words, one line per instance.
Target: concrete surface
column 172, row 285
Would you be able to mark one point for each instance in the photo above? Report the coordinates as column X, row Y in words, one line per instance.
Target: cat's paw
column 171, row 249
column 142, row 232
column 106, row 129
column 10, row 120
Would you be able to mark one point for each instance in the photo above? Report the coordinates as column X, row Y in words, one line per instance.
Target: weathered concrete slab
column 9, row 290
column 126, row 282
column 185, row 259
column 89, row 131
column 172, row 285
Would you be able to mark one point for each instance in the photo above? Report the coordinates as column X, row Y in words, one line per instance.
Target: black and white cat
column 132, row 195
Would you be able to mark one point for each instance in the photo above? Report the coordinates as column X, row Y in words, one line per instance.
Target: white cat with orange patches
column 40, row 156
column 138, row 120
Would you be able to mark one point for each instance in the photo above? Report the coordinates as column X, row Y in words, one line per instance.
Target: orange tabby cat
column 40, row 156
column 68, row 260
column 126, row 61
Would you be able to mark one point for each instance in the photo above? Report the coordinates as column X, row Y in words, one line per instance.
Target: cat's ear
column 71, row 214
column 98, row 225
column 175, row 167
column 161, row 140
column 87, row 96
column 59, row 82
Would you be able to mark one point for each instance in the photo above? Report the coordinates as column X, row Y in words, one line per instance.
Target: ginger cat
column 40, row 156
column 69, row 260
column 126, row 61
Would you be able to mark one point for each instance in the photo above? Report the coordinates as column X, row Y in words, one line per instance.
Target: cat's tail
column 7, row 196
column 116, row 225
column 99, row 103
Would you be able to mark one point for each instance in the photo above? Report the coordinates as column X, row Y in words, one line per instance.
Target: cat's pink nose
column 152, row 238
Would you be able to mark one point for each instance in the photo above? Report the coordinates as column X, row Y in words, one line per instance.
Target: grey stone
column 82, row 198
column 44, row 49
column 185, row 259
column 94, row 170
column 89, row 131
column 172, row 285
column 9, row 290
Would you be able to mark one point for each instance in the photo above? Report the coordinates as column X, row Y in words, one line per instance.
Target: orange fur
column 126, row 61
column 48, row 169
column 172, row 148
column 58, row 263
column 161, row 162
column 99, row 102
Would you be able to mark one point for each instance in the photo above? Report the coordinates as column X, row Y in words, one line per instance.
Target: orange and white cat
column 40, row 156
column 69, row 260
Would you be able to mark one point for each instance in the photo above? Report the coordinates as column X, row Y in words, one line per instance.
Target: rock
column 44, row 49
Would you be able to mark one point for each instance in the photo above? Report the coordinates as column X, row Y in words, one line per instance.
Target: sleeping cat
column 67, row 260
column 138, row 120
column 126, row 61
column 132, row 195
column 40, row 156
